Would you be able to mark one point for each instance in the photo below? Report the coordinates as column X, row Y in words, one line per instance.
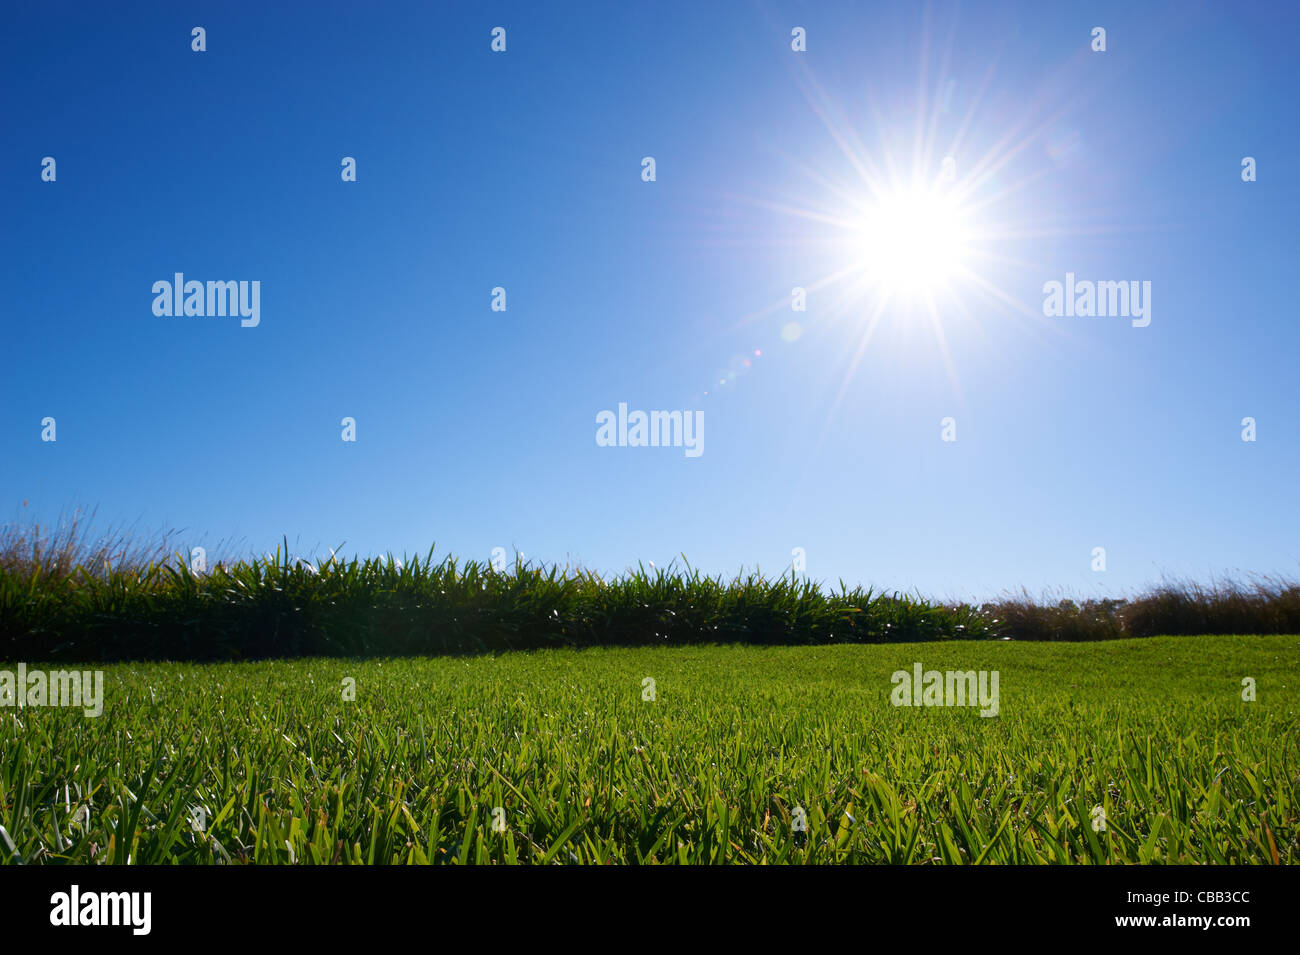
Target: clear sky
column 774, row 170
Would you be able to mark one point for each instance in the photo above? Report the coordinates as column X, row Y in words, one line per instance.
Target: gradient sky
column 476, row 429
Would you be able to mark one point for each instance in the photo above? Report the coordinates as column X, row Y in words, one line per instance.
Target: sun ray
column 910, row 240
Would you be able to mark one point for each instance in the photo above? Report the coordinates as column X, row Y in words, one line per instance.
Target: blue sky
column 476, row 429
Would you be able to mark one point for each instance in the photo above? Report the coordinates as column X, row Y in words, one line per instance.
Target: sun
column 912, row 241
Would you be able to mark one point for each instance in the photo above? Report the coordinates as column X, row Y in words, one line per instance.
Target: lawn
column 743, row 755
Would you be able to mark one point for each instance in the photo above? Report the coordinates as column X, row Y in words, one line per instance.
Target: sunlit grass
column 585, row 769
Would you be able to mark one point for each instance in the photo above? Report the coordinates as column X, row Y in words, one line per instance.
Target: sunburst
column 923, row 231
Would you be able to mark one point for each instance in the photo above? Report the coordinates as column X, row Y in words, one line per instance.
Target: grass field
column 715, row 769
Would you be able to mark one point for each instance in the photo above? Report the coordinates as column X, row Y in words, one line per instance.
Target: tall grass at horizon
column 68, row 594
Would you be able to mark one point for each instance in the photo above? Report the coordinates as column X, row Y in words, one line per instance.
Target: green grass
column 1154, row 730
column 283, row 607
column 66, row 594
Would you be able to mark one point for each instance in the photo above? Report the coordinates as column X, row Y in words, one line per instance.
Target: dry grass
column 1022, row 617
column 1265, row 605
column 56, row 551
